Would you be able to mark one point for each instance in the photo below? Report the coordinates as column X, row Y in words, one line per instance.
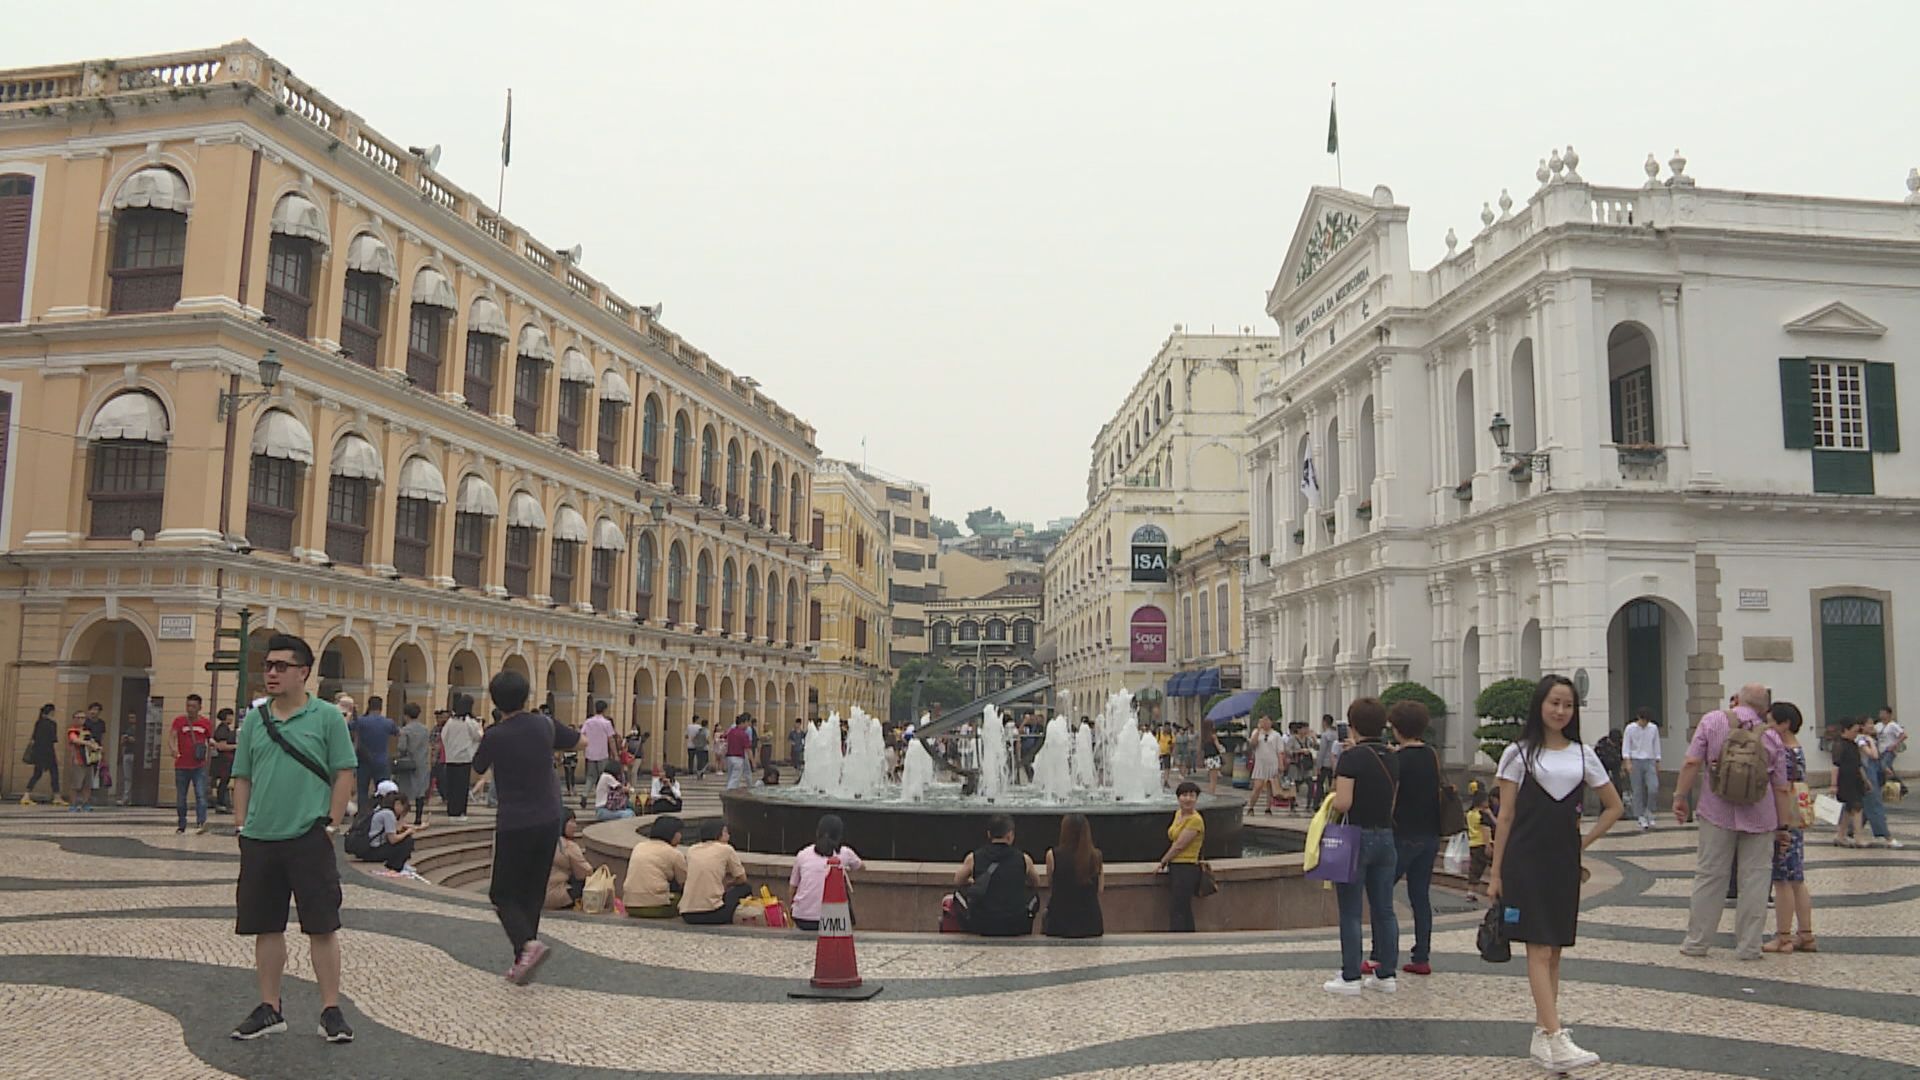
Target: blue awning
column 1205, row 683
column 1177, row 686
column 1235, row 707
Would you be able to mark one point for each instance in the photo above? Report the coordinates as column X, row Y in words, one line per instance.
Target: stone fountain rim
column 1207, row 803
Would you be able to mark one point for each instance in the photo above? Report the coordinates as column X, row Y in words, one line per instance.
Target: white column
column 1542, row 368
column 1670, row 424
column 1439, row 422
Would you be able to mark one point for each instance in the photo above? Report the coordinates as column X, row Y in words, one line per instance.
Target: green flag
column 1333, row 127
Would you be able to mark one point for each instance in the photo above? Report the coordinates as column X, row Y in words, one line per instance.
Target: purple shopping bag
column 1339, row 855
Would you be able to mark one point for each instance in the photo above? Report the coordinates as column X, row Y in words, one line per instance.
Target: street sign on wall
column 1147, row 636
column 1149, row 549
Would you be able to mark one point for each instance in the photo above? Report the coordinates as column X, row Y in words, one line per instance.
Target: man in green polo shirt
column 289, row 795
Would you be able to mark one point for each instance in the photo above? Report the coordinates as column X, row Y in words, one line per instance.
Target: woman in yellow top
column 1186, row 835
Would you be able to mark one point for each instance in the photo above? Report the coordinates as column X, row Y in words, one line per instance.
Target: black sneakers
column 263, row 1020
column 333, row 1026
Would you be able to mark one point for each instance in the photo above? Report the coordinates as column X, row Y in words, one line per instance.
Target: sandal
column 1806, row 943
column 1782, row 943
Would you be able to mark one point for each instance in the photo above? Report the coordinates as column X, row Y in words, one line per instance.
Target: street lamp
column 658, row 509
column 1502, row 431
column 231, row 399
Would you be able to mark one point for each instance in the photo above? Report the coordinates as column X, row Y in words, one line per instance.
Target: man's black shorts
column 304, row 870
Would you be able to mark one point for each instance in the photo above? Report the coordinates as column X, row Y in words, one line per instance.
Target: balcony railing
column 516, row 580
column 466, row 568
column 347, row 544
column 270, row 528
column 410, row 556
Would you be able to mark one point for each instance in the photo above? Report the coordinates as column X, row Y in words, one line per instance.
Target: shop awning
column 1205, row 683
column 356, row 459
column 369, row 256
column 136, row 415
column 1177, row 686
column 569, row 526
column 525, row 513
column 613, row 387
column 421, row 479
column 534, row 344
column 295, row 215
column 154, row 189
column 1235, row 707
column 477, row 497
column 608, row 537
column 485, row 317
column 279, row 435
column 575, row 367
column 432, row 288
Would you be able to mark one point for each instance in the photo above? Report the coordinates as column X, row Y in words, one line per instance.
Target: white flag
column 1310, row 481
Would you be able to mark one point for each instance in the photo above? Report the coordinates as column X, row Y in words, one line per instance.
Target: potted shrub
column 1501, row 708
column 1300, row 536
column 1464, row 490
column 1520, row 471
column 1364, row 511
column 1328, row 519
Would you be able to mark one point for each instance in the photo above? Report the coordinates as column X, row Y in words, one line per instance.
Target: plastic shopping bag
column 597, row 896
column 1826, row 809
column 1458, row 855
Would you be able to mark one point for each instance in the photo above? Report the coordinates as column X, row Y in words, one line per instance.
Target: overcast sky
column 959, row 231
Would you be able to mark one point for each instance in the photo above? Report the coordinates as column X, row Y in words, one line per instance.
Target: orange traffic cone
column 836, row 975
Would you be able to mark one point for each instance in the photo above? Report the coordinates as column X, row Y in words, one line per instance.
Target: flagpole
column 1339, row 174
column 506, row 154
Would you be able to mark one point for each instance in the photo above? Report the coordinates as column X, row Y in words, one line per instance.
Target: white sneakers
column 1339, row 985
column 1558, row 1052
column 1375, row 982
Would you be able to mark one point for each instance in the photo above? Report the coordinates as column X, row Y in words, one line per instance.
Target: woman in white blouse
column 1543, row 781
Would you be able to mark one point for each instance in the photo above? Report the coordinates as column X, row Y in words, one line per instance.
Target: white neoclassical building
column 1702, row 484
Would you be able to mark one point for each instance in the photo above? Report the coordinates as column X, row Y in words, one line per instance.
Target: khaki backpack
column 1740, row 774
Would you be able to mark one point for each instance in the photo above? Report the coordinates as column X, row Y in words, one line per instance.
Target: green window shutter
column 1614, row 404
column 1883, row 410
column 1796, row 405
column 1842, row 472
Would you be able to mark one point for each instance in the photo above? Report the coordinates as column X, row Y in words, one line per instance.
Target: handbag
column 1453, row 816
column 1827, row 810
column 1339, row 855
column 1492, row 938
column 597, row 895
column 26, row 756
column 1206, row 884
column 1802, row 805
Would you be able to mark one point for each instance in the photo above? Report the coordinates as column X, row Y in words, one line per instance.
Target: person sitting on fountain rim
column 656, row 872
column 997, row 885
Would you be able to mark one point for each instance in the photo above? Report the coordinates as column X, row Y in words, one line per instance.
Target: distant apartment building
column 906, row 509
column 847, row 613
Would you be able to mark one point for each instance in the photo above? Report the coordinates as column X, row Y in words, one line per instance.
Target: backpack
column 1740, row 774
column 359, row 842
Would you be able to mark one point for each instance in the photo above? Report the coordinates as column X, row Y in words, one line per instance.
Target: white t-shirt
column 1557, row 771
column 1890, row 734
column 602, row 788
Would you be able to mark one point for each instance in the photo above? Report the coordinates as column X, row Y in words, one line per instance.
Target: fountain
column 1112, row 775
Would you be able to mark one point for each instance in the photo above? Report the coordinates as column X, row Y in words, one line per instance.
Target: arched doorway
column 600, row 688
column 1648, row 641
column 466, row 676
column 409, row 680
column 1530, row 650
column 343, row 669
column 729, row 705
column 646, row 717
column 703, row 700
column 114, row 663
column 1469, row 694
column 750, row 701
column 558, row 693
column 674, row 736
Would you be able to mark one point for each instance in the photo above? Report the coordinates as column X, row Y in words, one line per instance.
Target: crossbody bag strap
column 1391, row 782
column 292, row 751
column 1439, row 771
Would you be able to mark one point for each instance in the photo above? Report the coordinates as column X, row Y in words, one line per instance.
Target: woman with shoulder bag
column 1791, row 899
column 1366, row 784
column 1416, row 828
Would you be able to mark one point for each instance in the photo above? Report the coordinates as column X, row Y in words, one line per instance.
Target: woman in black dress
column 1543, row 781
column 1076, row 876
column 1849, row 781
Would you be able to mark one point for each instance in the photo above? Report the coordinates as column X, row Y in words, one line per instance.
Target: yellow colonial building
column 851, row 577
column 452, row 451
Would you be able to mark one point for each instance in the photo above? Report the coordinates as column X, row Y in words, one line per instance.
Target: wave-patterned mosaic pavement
column 113, row 926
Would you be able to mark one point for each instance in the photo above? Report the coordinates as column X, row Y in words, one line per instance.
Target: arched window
column 709, row 466
column 996, row 630
column 676, row 581
column 614, row 399
column 996, row 678
column 530, row 369
column 729, row 584
column 525, row 521
column 815, row 620
column 643, row 575
column 1368, row 453
column 281, row 450
column 703, row 591
column 969, row 630
column 363, row 309
column 298, row 234
column 793, row 508
column 970, row 680
column 793, row 608
column 433, row 306
column 149, row 241
column 608, row 543
column 773, row 607
column 736, row 504
column 355, row 471
column 576, row 378
column 860, row 548
column 563, row 560
column 754, row 512
column 487, row 334
column 753, row 604
column 127, row 482
column 1630, row 385
column 942, row 635
column 1168, row 395
column 1465, row 430
column 1526, row 429
column 650, row 439
column 682, row 449
column 475, row 506
column 1023, row 632
column 774, row 495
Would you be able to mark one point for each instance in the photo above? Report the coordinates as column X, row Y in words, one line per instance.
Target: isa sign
column 1147, row 636
column 1149, row 549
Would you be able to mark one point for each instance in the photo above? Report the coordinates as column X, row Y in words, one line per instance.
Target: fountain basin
column 781, row 821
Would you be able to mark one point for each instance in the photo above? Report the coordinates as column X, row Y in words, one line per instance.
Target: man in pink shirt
column 596, row 741
column 1734, row 839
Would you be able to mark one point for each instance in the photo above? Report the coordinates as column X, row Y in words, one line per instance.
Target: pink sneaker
column 530, row 960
